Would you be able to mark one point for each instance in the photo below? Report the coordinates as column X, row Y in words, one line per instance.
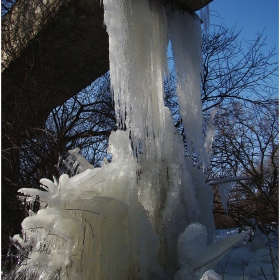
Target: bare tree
column 85, row 121
column 237, row 81
column 247, row 145
column 6, row 6
column 235, row 69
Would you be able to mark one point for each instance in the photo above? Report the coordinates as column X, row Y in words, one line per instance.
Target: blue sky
column 250, row 15
column 253, row 16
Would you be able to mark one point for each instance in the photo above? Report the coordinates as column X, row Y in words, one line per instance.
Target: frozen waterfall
column 124, row 220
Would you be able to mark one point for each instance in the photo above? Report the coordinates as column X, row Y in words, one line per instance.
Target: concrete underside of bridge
column 69, row 53
column 51, row 50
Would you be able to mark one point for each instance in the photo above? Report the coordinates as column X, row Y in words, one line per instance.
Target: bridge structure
column 51, row 50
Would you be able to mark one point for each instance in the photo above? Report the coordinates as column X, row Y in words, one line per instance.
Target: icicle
column 205, row 15
column 224, row 186
column 186, row 42
column 228, row 179
column 223, row 190
column 138, row 62
column 209, row 138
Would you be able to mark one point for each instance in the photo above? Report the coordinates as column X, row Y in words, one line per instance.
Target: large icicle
column 186, row 43
column 137, row 49
column 138, row 37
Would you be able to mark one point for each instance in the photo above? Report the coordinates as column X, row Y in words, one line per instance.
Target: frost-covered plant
column 33, row 251
column 49, row 239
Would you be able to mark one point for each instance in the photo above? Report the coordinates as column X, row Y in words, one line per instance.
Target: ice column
column 137, row 49
column 123, row 220
column 186, row 43
column 171, row 190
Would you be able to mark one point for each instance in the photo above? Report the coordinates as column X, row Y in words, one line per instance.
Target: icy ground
column 256, row 257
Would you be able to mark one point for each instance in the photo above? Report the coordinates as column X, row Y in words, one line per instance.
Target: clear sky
column 253, row 16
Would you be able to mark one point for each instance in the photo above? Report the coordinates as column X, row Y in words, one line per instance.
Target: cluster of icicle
column 148, row 213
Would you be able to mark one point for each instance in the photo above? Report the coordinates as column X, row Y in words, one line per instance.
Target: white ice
column 135, row 217
column 205, row 17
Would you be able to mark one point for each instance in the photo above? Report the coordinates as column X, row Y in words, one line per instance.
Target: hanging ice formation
column 123, row 220
column 204, row 14
column 224, row 185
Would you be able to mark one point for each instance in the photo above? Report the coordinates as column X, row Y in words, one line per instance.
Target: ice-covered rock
column 211, row 275
column 195, row 257
column 191, row 243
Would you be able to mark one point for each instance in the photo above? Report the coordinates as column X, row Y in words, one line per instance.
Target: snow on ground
column 223, row 233
column 256, row 257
